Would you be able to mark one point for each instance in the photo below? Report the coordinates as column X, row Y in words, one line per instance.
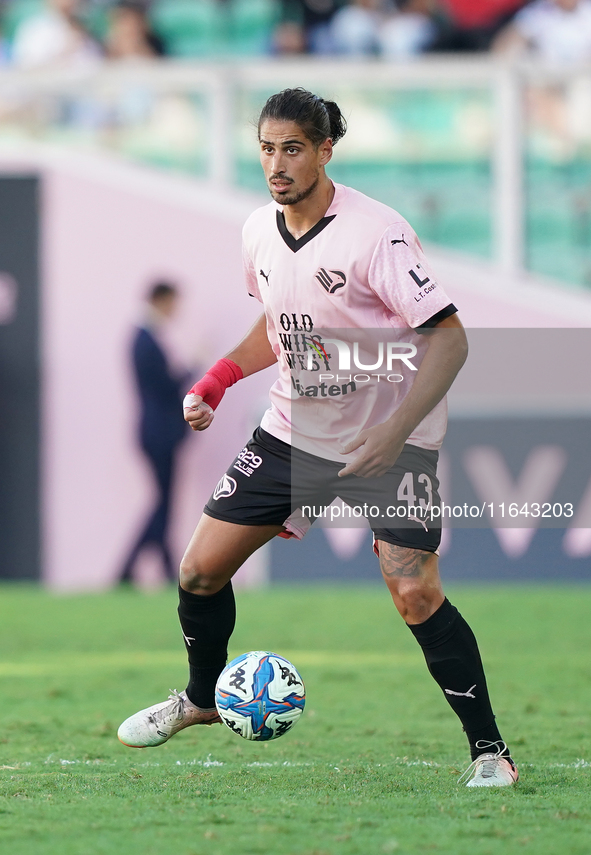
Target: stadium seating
column 209, row 29
column 251, row 25
column 16, row 12
column 190, row 28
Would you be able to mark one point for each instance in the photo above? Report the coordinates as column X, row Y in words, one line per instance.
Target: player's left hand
column 381, row 449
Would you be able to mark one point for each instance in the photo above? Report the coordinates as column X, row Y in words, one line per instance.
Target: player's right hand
column 197, row 414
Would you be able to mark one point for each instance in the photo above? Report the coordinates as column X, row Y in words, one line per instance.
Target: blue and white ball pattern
column 260, row 695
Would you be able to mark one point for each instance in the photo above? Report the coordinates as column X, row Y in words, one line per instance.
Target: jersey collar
column 297, row 243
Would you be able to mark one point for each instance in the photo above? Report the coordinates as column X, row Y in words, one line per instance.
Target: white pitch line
column 209, row 762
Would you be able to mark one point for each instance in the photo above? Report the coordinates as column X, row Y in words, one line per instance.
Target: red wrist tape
column 213, row 385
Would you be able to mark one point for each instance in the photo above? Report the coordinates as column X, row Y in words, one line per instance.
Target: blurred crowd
column 45, row 33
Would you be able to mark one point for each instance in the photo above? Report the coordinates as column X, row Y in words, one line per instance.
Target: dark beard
column 297, row 197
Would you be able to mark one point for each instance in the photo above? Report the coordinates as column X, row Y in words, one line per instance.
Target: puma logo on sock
column 467, row 694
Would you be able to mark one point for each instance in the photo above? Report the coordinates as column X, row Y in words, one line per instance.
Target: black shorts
column 271, row 483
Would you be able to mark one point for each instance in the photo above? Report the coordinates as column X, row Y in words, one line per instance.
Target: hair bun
column 338, row 124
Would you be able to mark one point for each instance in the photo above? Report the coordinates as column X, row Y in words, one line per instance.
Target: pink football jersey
column 343, row 304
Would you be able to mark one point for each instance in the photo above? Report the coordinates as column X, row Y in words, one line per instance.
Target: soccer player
column 331, row 267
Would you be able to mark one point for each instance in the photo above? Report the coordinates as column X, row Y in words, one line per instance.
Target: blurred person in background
column 162, row 427
column 355, row 28
column 130, row 34
column 305, row 26
column 55, row 37
column 472, row 26
column 410, row 30
column 557, row 31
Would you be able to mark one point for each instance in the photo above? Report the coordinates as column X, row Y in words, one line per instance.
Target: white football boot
column 491, row 769
column 155, row 725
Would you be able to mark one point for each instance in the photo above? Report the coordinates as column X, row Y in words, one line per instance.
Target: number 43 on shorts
column 407, row 492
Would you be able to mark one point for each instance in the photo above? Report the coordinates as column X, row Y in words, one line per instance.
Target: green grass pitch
column 371, row 768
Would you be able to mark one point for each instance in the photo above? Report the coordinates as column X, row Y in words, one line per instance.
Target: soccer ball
column 260, row 695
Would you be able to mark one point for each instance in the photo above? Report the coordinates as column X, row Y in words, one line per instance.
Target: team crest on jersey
column 226, row 487
column 331, row 280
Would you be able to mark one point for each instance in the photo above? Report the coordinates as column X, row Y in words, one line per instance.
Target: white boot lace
column 171, row 712
column 489, row 765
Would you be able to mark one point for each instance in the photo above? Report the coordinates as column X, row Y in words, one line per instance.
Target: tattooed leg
column 412, row 577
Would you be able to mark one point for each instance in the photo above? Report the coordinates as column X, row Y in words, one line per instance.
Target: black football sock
column 207, row 624
column 453, row 659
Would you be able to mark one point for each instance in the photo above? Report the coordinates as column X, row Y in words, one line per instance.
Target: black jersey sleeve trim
column 297, row 243
column 437, row 318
